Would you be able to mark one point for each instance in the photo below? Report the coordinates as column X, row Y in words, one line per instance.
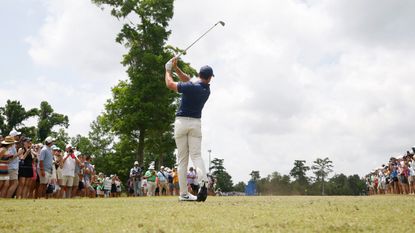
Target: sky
column 294, row 79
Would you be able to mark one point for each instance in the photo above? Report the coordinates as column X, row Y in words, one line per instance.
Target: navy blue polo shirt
column 194, row 97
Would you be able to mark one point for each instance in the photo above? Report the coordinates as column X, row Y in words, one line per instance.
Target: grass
column 217, row 214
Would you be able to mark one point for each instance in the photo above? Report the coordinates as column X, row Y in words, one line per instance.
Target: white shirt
column 68, row 168
column 411, row 168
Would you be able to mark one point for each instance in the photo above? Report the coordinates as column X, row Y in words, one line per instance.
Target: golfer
column 187, row 126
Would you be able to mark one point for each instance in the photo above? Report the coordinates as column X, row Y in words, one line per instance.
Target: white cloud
column 77, row 41
column 77, row 35
column 301, row 81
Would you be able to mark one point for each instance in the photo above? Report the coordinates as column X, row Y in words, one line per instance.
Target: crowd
column 36, row 170
column 29, row 170
column 163, row 182
column 397, row 176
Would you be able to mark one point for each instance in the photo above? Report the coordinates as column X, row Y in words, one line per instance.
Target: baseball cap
column 68, row 146
column 49, row 140
column 206, row 72
column 136, row 163
column 14, row 133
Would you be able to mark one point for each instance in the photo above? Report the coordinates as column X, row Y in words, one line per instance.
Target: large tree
column 255, row 175
column 101, row 137
column 142, row 106
column 322, row 168
column 48, row 119
column 298, row 172
column 223, row 179
column 13, row 115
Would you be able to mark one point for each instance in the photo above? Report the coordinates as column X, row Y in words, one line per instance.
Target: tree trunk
column 161, row 160
column 140, row 150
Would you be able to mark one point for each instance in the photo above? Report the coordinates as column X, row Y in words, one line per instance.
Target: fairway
column 217, row 214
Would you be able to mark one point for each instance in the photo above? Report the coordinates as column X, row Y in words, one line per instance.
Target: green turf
column 217, row 214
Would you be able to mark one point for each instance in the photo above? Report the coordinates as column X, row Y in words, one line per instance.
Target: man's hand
column 169, row 65
column 42, row 173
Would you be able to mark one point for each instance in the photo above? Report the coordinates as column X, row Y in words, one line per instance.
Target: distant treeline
column 298, row 183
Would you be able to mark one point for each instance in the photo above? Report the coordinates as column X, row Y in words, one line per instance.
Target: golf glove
column 169, row 65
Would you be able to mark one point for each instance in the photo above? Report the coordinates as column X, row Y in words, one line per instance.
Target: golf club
column 184, row 51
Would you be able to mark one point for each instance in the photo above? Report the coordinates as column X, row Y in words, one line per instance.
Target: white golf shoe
column 187, row 197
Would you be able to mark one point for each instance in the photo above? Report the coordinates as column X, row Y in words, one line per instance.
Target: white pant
column 188, row 135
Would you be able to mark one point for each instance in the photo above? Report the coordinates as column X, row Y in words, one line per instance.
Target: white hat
column 136, row 163
column 14, row 133
column 68, row 146
column 49, row 140
column 151, row 165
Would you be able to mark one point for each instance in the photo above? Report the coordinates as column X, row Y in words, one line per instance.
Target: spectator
column 100, row 184
column 162, row 181
column 94, row 185
column 57, row 152
column 192, row 182
column 107, row 186
column 175, row 182
column 89, row 172
column 5, row 156
column 45, row 166
column 33, row 191
column 77, row 173
column 68, row 172
column 144, row 187
column 170, row 181
column 150, row 176
column 14, row 164
column 81, row 183
column 113, row 186
column 25, row 169
column 411, row 177
column 404, row 177
column 135, row 175
column 130, row 185
column 118, row 186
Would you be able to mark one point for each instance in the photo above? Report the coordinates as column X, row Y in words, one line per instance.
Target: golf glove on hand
column 169, row 65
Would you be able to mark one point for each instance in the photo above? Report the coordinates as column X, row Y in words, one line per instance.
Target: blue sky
column 294, row 79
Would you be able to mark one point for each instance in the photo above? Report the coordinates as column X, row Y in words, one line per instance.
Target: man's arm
column 41, row 168
column 170, row 83
column 41, row 165
column 78, row 161
column 182, row 76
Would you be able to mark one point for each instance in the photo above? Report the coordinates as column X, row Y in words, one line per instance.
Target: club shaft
column 188, row 47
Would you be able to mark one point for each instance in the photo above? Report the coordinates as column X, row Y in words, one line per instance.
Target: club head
column 222, row 23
